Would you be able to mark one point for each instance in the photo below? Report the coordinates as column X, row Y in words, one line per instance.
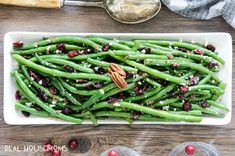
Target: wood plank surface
column 148, row 140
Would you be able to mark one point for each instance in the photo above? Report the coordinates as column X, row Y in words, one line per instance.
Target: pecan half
column 116, row 68
column 119, row 80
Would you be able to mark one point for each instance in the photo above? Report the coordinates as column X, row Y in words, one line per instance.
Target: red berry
column 187, row 106
column 18, row 43
column 17, row 95
column 112, row 153
column 183, row 88
column 56, row 152
column 182, row 49
column 48, row 147
column 73, row 144
column 210, row 47
column 198, row 51
column 190, row 149
column 60, row 47
column 53, row 90
column 73, row 53
column 105, row 47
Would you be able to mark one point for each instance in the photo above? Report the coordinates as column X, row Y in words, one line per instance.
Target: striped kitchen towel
column 204, row 9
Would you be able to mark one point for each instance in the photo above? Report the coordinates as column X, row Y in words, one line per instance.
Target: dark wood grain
column 148, row 140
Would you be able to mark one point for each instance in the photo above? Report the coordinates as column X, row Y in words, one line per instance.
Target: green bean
column 32, row 111
column 153, row 72
column 127, row 43
column 180, row 63
column 144, row 96
column 153, row 82
column 159, row 113
column 93, row 99
column 201, row 98
column 106, row 65
column 192, row 112
column 63, row 39
column 197, row 107
column 75, row 90
column 93, row 119
column 166, row 102
column 187, row 46
column 112, row 43
column 208, row 87
column 58, row 73
column 47, row 64
column 82, row 85
column 164, row 51
column 56, row 83
column 46, row 49
column 218, row 105
column 36, row 100
column 66, row 57
column 81, row 115
column 70, row 64
column 205, row 79
column 101, row 105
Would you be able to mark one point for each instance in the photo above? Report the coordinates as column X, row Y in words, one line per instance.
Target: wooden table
column 148, row 140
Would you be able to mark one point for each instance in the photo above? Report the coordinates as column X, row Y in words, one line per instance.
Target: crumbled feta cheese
column 116, row 104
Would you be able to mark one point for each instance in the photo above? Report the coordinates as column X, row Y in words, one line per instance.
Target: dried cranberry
column 135, row 115
column 68, row 69
column 175, row 65
column 140, row 87
column 204, row 104
column 56, row 152
column 212, row 64
column 73, row 144
column 122, row 95
column 198, row 51
column 72, row 53
column 129, row 75
column 145, row 50
column 26, row 114
column 17, row 44
column 17, row 95
column 66, row 110
column 81, row 81
column 183, row 88
column 60, row 47
column 35, row 106
column 182, row 49
column 34, row 75
column 98, row 70
column 46, row 82
column 42, row 94
column 187, row 106
column 27, row 56
column 181, row 96
column 105, row 47
column 53, row 90
column 194, row 80
column 210, row 47
column 88, row 50
column 112, row 100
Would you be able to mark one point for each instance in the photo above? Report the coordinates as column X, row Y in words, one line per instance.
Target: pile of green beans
column 167, row 80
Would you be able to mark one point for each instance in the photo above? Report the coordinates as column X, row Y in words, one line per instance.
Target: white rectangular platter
column 222, row 41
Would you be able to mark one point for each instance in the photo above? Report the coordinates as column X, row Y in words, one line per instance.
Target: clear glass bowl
column 202, row 149
column 122, row 151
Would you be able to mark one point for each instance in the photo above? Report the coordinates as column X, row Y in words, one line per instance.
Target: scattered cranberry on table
column 73, row 144
column 18, row 44
column 48, row 147
column 56, row 152
column 190, row 149
column 112, row 153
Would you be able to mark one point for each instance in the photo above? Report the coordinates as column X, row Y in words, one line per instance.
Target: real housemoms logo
column 32, row 148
